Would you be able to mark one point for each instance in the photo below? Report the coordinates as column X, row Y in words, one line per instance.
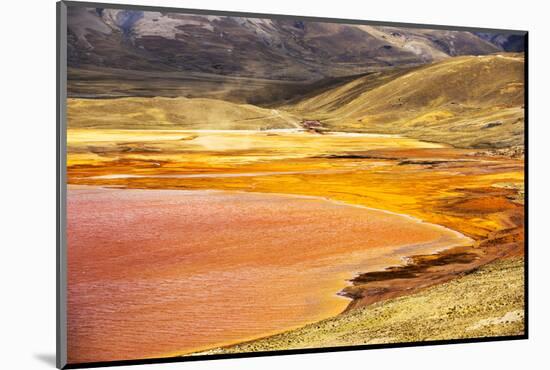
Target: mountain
column 275, row 49
column 507, row 42
column 171, row 70
column 467, row 101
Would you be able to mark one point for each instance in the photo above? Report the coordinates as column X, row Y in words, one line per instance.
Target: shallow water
column 155, row 273
column 215, row 175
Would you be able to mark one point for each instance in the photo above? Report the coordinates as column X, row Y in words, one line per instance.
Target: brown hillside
column 473, row 101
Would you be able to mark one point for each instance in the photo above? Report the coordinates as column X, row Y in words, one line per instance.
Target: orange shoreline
column 478, row 194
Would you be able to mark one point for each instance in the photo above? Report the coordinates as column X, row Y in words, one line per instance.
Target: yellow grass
column 173, row 113
column 488, row 303
column 452, row 101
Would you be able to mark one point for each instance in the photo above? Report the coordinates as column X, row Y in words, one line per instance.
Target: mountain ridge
column 256, row 47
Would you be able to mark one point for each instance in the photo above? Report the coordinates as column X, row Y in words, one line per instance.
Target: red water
column 154, row 273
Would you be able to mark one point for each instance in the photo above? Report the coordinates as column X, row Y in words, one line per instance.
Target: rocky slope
column 251, row 47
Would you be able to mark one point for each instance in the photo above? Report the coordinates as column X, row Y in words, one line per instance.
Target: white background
column 27, row 160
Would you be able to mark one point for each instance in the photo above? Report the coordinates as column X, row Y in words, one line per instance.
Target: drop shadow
column 46, row 358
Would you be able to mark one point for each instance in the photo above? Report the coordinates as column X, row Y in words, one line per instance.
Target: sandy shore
column 487, row 302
